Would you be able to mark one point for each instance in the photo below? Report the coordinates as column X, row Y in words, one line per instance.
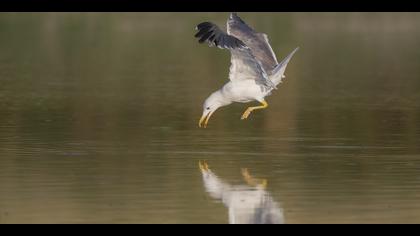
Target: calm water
column 99, row 112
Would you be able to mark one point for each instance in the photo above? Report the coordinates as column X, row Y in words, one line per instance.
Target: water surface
column 99, row 112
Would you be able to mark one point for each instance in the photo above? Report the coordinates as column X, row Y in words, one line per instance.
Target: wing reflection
column 247, row 204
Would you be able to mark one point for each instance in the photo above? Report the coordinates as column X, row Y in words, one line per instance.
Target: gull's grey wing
column 257, row 42
column 244, row 65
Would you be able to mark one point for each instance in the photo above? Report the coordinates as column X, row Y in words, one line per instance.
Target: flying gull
column 254, row 70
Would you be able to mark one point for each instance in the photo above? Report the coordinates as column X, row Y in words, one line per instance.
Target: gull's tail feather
column 278, row 72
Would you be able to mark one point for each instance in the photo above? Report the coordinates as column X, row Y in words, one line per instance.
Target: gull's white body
column 243, row 91
column 254, row 70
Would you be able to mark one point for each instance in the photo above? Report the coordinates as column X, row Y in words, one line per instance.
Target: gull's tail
column 278, row 72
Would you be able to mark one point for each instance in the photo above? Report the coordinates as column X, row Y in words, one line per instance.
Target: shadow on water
column 247, row 204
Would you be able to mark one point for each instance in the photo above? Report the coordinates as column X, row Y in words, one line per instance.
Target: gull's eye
column 208, row 108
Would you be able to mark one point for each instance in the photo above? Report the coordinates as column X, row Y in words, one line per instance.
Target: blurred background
column 99, row 113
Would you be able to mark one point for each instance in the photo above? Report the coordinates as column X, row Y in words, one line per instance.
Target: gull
column 254, row 71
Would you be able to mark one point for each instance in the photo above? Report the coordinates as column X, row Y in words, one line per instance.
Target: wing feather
column 257, row 42
column 244, row 65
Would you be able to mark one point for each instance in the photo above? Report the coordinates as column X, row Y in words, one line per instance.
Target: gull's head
column 212, row 103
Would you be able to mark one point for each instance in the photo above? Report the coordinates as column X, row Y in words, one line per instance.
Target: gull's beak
column 205, row 119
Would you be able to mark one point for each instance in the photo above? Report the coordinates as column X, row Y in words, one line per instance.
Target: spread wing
column 257, row 42
column 244, row 65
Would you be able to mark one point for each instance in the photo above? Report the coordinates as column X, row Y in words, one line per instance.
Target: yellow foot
column 250, row 109
column 203, row 166
column 252, row 181
column 246, row 114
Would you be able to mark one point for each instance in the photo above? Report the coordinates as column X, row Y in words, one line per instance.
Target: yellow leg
column 252, row 181
column 250, row 109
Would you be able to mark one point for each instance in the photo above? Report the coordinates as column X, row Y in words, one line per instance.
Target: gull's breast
column 243, row 91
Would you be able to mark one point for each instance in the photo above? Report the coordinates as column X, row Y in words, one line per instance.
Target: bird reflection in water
column 247, row 204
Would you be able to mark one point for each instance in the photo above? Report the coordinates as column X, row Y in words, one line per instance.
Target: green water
column 99, row 112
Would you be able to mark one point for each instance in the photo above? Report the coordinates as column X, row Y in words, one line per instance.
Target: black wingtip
column 203, row 25
column 209, row 32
